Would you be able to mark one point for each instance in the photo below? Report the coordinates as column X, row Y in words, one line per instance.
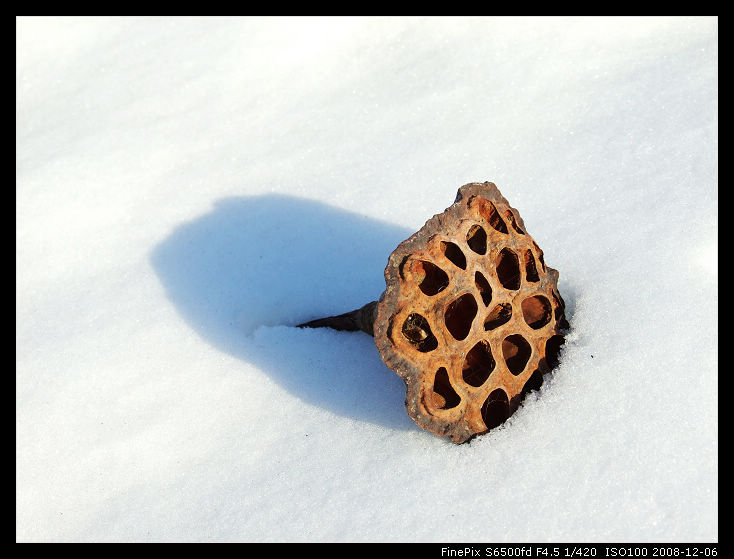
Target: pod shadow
column 247, row 271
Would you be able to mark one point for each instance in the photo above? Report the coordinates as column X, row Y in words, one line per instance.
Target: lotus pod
column 471, row 317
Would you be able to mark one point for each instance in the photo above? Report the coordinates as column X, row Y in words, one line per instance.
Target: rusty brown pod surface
column 471, row 316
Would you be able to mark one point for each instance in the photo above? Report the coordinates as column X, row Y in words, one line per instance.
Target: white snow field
column 190, row 189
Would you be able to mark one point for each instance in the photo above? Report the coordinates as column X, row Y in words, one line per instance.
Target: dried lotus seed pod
column 471, row 317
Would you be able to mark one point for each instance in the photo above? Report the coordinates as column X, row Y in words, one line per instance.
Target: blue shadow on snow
column 276, row 260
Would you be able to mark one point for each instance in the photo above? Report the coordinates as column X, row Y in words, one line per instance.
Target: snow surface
column 188, row 189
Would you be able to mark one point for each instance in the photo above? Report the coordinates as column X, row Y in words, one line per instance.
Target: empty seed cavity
column 531, row 272
column 444, row 396
column 485, row 290
column 478, row 364
column 432, row 279
column 496, row 409
column 511, row 218
column 516, row 351
column 553, row 350
column 459, row 316
column 536, row 311
column 454, row 254
column 508, row 269
column 490, row 214
column 499, row 316
column 532, row 384
column 476, row 238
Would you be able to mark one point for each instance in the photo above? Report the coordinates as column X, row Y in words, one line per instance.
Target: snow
column 189, row 189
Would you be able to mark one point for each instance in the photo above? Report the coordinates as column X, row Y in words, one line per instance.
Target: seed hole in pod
column 531, row 272
column 536, row 311
column 553, row 350
column 432, row 279
column 496, row 409
column 533, row 383
column 560, row 311
column 540, row 255
column 511, row 218
column 485, row 290
column 557, row 297
column 478, row 364
column 491, row 215
column 499, row 316
column 516, row 351
column 444, row 396
column 418, row 332
column 454, row 254
column 508, row 269
column 476, row 238
column 459, row 316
